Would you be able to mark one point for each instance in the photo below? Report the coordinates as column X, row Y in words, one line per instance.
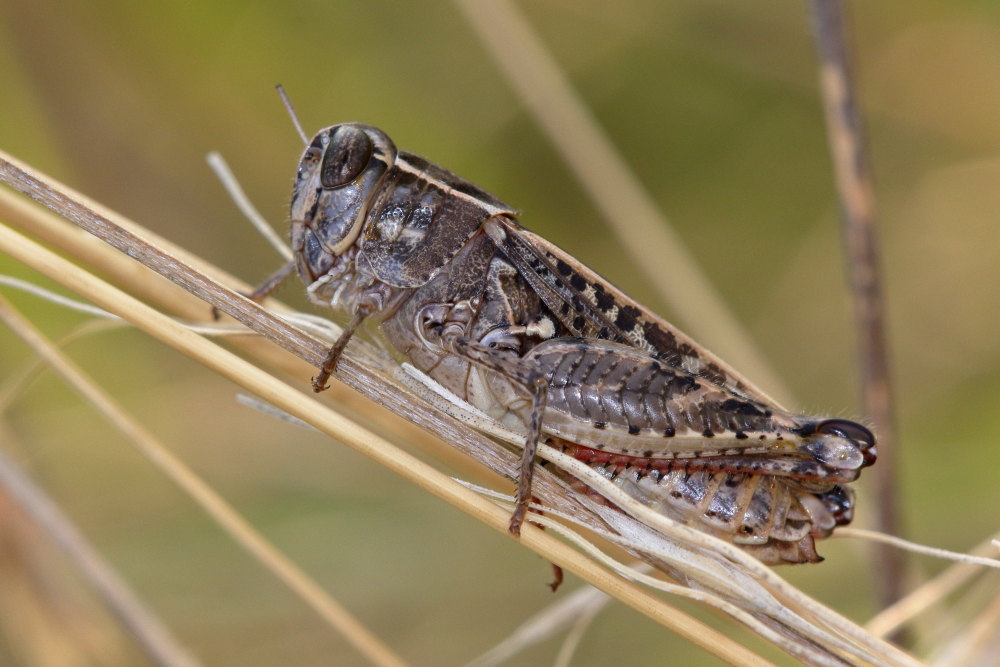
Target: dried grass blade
column 300, row 406
column 333, row 613
column 150, row 634
column 856, row 194
column 930, row 592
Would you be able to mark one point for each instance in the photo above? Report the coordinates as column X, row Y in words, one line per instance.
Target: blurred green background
column 715, row 106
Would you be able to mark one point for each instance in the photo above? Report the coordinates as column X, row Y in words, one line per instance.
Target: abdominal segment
column 774, row 518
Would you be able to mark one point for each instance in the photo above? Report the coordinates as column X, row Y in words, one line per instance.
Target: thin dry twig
column 821, row 647
column 928, row 593
column 299, row 405
column 857, row 198
column 150, row 634
column 906, row 545
column 211, row 502
column 977, row 643
column 584, row 602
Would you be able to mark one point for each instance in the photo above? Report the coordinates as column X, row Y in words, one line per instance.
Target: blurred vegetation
column 714, row 104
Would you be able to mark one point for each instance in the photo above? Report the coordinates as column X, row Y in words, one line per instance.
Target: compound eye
column 346, row 157
column 847, row 429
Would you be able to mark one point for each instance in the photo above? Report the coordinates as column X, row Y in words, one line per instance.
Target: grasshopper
column 526, row 333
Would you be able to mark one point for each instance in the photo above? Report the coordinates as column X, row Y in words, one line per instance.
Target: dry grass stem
column 214, row 505
column 690, row 555
column 696, row 557
column 47, row 618
column 554, row 495
column 303, row 407
column 977, row 643
column 906, row 545
column 575, row 611
column 929, row 593
column 150, row 634
column 856, row 194
column 730, row 98
column 15, row 382
column 577, row 633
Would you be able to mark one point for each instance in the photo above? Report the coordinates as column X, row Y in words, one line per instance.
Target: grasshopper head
column 338, row 175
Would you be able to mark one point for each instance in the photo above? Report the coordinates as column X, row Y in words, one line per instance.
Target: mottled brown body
column 524, row 332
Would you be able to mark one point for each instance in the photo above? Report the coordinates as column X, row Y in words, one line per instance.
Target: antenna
column 291, row 112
